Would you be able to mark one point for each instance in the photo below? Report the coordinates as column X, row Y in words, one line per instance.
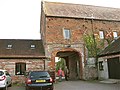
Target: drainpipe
column 95, row 46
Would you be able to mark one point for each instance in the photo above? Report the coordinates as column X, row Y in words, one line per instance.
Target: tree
column 90, row 45
column 94, row 45
column 60, row 64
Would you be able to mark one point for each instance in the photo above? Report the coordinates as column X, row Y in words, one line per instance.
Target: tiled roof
column 13, row 48
column 113, row 48
column 80, row 11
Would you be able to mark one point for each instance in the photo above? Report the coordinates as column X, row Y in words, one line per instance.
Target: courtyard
column 78, row 85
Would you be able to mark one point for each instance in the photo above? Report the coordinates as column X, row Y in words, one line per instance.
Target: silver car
column 5, row 79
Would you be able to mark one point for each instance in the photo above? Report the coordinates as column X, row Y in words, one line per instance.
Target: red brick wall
column 54, row 28
column 31, row 64
column 52, row 34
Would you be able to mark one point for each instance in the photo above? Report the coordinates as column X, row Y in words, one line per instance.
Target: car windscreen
column 1, row 73
column 38, row 74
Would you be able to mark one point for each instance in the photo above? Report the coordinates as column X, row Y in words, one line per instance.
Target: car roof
column 37, row 71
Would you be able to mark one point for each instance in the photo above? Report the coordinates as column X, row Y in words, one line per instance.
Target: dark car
column 40, row 80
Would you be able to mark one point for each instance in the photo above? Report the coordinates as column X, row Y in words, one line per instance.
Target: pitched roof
column 113, row 48
column 80, row 11
column 17, row 48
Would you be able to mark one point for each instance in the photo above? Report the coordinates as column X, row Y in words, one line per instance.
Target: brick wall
column 78, row 27
column 31, row 64
column 53, row 32
column 52, row 35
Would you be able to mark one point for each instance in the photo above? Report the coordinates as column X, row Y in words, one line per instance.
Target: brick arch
column 54, row 53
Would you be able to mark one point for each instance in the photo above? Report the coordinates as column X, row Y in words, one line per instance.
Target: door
column 114, row 68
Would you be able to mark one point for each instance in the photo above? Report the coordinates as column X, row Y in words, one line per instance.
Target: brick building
column 63, row 26
column 18, row 56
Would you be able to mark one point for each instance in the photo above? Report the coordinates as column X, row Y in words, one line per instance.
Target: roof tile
column 81, row 11
column 21, row 48
column 113, row 48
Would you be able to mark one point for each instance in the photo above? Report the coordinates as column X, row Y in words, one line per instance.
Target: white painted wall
column 104, row 73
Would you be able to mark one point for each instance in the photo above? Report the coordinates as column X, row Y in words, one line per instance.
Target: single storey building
column 109, row 61
column 18, row 56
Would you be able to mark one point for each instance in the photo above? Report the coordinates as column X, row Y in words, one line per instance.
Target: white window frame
column 9, row 46
column 32, row 46
column 115, row 34
column 101, row 34
column 66, row 33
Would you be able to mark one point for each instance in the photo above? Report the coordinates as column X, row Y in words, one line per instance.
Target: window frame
column 101, row 34
column 32, row 46
column 115, row 34
column 9, row 46
column 20, row 68
column 101, row 66
column 66, row 33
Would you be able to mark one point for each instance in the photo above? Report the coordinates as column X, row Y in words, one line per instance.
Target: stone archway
column 73, row 60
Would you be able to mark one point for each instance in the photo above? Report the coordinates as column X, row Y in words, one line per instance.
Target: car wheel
column 51, row 88
column 10, row 85
column 5, row 88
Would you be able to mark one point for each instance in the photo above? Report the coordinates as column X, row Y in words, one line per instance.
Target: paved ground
column 78, row 85
column 83, row 85
column 16, row 88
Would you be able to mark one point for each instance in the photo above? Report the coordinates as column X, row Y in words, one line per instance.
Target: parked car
column 5, row 79
column 40, row 80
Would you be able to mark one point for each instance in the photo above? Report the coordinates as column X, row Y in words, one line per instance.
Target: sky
column 20, row 19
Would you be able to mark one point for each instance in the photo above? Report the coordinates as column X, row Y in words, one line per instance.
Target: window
column 101, row 65
column 20, row 68
column 32, row 46
column 1, row 73
column 38, row 74
column 101, row 33
column 115, row 35
column 9, row 46
column 66, row 33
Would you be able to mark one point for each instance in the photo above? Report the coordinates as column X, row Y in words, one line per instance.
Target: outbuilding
column 18, row 56
column 109, row 61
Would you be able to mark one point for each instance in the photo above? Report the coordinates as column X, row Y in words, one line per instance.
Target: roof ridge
column 79, row 4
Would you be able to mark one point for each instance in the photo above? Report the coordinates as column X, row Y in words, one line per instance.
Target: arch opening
column 72, row 60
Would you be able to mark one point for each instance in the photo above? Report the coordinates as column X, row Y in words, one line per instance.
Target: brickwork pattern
column 31, row 64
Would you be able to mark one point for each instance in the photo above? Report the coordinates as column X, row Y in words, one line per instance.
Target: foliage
column 91, row 45
column 109, row 40
column 95, row 45
column 60, row 64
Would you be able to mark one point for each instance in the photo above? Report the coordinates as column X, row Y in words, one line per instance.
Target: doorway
column 72, row 60
column 114, row 68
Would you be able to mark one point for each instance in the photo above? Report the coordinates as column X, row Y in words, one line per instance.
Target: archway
column 73, row 62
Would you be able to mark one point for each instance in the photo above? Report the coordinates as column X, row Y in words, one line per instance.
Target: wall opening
column 71, row 60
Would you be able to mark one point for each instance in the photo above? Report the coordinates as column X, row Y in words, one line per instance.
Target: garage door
column 114, row 68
